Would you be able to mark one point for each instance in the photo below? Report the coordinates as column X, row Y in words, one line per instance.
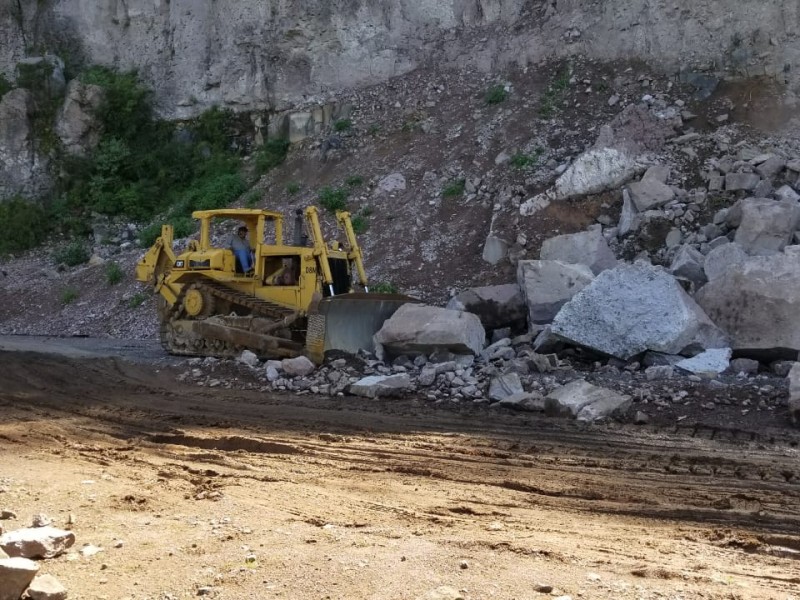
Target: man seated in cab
column 241, row 250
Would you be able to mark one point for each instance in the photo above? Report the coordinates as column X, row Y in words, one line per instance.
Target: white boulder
column 586, row 402
column 634, row 308
column 37, row 542
column 766, row 226
column 588, row 248
column 548, row 284
column 377, row 386
column 16, row 575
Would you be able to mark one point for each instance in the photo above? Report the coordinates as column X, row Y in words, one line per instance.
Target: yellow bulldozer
column 292, row 299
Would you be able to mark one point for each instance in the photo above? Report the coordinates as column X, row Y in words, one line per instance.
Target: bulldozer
column 298, row 298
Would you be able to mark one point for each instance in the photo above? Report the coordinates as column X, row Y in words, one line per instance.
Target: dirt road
column 230, row 494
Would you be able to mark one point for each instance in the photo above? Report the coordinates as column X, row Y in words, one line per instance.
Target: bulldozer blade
column 347, row 322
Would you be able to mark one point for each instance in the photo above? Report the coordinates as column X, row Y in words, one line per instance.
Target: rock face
column 244, row 54
column 77, row 126
column 15, row 576
column 22, row 170
column 757, row 303
column 548, row 284
column 585, row 248
column 634, row 308
column 421, row 329
column 497, row 306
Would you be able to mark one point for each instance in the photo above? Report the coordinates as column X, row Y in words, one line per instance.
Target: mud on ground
column 238, row 494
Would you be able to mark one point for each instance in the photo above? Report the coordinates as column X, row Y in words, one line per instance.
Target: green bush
column 354, row 181
column 136, row 300
column 454, row 188
column 333, row 199
column 343, row 125
column 182, row 227
column 271, row 154
column 292, row 188
column 251, row 198
column 22, row 225
column 360, row 224
column 114, row 273
column 496, row 94
column 384, row 287
column 69, row 295
column 521, row 160
column 73, row 254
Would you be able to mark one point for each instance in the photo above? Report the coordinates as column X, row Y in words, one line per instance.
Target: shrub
column 69, row 295
column 292, row 188
column 521, row 160
column 22, row 225
column 74, row 253
column 496, row 94
column 136, row 300
column 252, row 198
column 271, row 154
column 384, row 287
column 454, row 188
column 360, row 224
column 333, row 199
column 114, row 273
column 354, row 181
column 343, row 125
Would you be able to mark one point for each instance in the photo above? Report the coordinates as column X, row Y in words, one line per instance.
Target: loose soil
column 238, row 494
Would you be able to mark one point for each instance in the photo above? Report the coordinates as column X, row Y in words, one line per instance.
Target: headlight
column 179, row 264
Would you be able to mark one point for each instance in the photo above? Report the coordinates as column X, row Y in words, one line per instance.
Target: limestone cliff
column 272, row 54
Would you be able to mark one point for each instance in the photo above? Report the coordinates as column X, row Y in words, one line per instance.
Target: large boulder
column 719, row 260
column 37, row 542
column 635, row 308
column 584, row 248
column 794, row 393
column 16, row 575
column 757, row 302
column 766, row 226
column 77, row 125
column 422, row 329
column 549, row 284
column 594, row 171
column 497, row 306
column 688, row 264
column 46, row 587
column 379, row 386
column 650, row 193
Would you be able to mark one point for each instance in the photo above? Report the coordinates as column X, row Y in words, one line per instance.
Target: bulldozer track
column 256, row 307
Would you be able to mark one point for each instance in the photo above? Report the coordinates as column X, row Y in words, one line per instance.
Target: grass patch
column 73, row 254
column 384, row 287
column 354, row 181
column 554, row 95
column 251, row 198
column 292, row 188
column 69, row 295
column 333, row 199
column 454, row 188
column 136, row 300
column 22, row 225
column 343, row 125
column 521, row 160
column 496, row 94
column 271, row 154
column 114, row 273
column 360, row 224
column 374, row 130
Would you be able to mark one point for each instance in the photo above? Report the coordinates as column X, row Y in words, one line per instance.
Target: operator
column 241, row 249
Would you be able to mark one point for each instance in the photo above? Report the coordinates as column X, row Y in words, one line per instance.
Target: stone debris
column 766, row 226
column 299, row 366
column 444, row 592
column 707, row 364
column 586, row 402
column 378, row 386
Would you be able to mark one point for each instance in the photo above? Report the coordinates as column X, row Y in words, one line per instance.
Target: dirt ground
column 234, row 494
